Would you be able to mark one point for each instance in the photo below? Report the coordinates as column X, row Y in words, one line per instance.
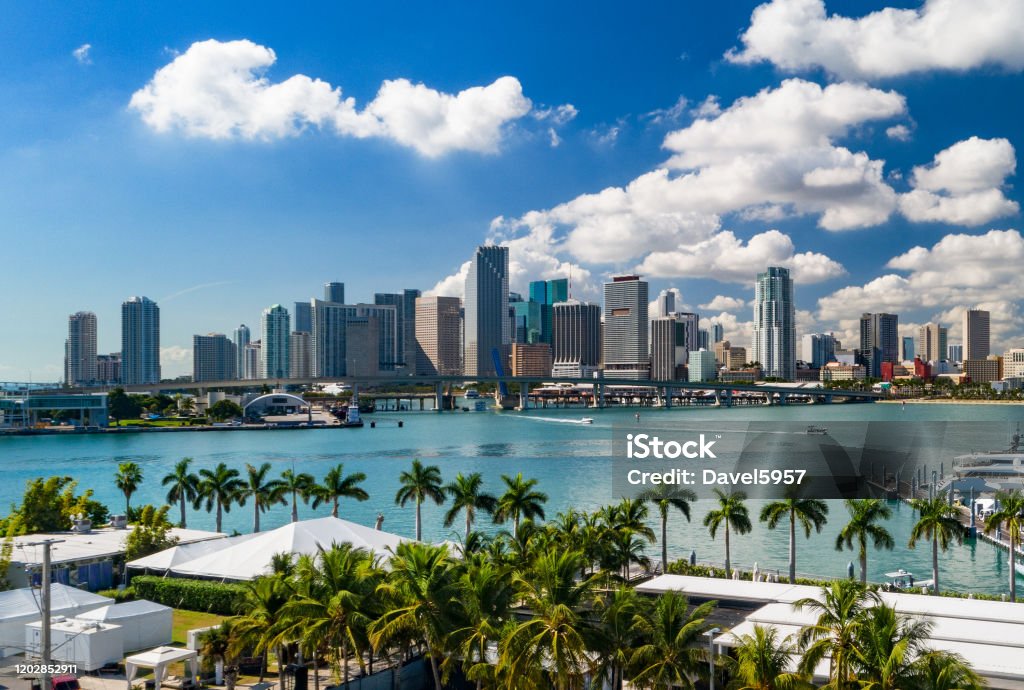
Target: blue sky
column 217, row 194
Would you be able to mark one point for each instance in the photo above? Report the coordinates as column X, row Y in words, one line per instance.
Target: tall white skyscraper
column 242, row 338
column 140, row 341
column 774, row 343
column 80, row 362
column 626, row 328
column 487, row 324
column 976, row 334
column 275, row 342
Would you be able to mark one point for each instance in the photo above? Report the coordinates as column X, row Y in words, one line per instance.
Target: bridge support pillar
column 439, row 397
column 728, row 398
column 668, row 397
column 524, row 395
column 782, row 398
column 599, row 400
column 718, row 398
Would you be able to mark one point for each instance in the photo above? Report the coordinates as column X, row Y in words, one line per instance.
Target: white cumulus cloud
column 798, row 35
column 724, row 303
column 81, row 54
column 219, row 90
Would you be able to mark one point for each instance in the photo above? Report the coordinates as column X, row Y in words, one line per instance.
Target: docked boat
column 903, row 580
column 989, row 471
column 817, row 430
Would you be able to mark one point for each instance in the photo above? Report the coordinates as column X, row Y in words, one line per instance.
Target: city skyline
column 895, row 186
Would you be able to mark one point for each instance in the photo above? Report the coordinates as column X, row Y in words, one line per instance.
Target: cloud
column 798, row 35
column 668, row 115
column 558, row 115
column 453, row 285
column 81, row 54
column 218, row 90
column 606, row 135
column 962, row 185
column 724, row 303
column 738, row 333
column 726, row 258
column 709, row 107
column 899, row 133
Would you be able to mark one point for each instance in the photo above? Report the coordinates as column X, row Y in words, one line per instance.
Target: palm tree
column 216, row 644
column 298, row 485
column 887, row 644
column 466, row 494
column 1010, row 516
column 218, row 488
column 127, row 479
column 616, row 635
column 418, row 592
column 833, row 635
column 864, row 514
column 261, row 611
column 946, row 671
column 483, row 607
column 733, row 514
column 668, row 496
column 338, row 485
column 672, row 653
column 519, row 501
column 763, row 661
column 418, row 484
column 939, row 522
column 809, row 512
column 263, row 493
column 183, row 486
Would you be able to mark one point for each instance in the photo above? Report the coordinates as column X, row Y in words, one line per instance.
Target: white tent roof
column 128, row 609
column 18, row 603
column 251, row 558
column 728, row 590
column 157, row 659
column 182, row 553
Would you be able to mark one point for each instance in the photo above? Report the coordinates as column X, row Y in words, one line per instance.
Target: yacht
column 989, row 471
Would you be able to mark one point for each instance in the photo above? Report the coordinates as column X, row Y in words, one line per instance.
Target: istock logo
column 642, row 446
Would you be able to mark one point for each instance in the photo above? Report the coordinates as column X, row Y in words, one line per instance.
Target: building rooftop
column 98, row 543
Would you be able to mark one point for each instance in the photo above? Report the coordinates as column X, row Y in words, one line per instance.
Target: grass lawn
column 153, row 422
column 184, row 621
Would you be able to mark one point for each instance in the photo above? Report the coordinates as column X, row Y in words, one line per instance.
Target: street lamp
column 710, row 634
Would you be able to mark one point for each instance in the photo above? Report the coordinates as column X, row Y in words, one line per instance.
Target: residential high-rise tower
column 487, row 324
column 140, row 341
column 774, row 342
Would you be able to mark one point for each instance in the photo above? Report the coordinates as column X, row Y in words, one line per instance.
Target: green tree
column 263, row 492
column 667, row 497
column 122, row 406
column 184, row 486
column 520, row 501
column 833, row 635
column 218, row 488
column 887, row 645
column 151, row 533
column 672, row 653
column 338, row 485
column 482, row 609
column 297, row 485
column 216, row 645
column 224, row 409
column 1010, row 517
column 732, row 514
column 939, row 523
column 261, row 615
column 50, row 505
column 467, row 495
column 945, row 671
column 809, row 512
column 616, row 635
column 127, row 479
column 762, row 662
column 865, row 514
column 419, row 483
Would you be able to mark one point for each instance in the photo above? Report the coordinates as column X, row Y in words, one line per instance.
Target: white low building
column 20, row 607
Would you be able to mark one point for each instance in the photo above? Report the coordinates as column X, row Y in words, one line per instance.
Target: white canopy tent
column 182, row 553
column 144, row 624
column 250, row 558
column 158, row 659
column 18, row 607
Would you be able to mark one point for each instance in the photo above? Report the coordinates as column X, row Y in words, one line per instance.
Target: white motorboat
column 586, row 420
column 904, row 580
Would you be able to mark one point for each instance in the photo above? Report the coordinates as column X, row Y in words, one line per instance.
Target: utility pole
column 44, row 646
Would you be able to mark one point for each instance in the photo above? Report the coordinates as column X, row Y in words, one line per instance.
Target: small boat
column 472, row 393
column 901, row 579
column 817, row 430
column 586, row 420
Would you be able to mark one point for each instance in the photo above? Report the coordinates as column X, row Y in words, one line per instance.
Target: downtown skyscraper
column 977, row 344
column 276, row 342
column 405, row 331
column 879, row 341
column 80, row 356
column 626, row 353
column 487, row 324
column 214, row 358
column 140, row 341
column 438, row 336
column 242, row 338
column 576, row 332
column 774, row 342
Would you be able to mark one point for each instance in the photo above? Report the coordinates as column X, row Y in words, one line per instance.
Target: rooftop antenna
column 570, row 280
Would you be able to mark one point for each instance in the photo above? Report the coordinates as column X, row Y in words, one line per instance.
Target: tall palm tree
column 940, row 523
column 617, row 636
column 865, row 513
column 183, row 486
column 419, row 483
column 887, row 645
column 809, row 512
column 261, row 612
column 127, row 479
column 519, row 501
column 467, row 494
column 297, row 485
column 731, row 513
column 1010, row 517
column 483, row 608
column 672, row 653
column 263, row 492
column 338, row 485
column 418, row 592
column 666, row 497
column 218, row 488
column 833, row 635
column 763, row 662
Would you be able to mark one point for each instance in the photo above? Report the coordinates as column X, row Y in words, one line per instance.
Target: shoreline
column 918, row 401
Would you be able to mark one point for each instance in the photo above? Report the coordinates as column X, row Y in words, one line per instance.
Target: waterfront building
column 1013, row 363
column 531, row 359
column 626, row 328
column 487, row 325
column 717, row 333
column 140, row 341
column 774, row 342
column 879, row 341
column 300, row 351
column 334, row 292
column 983, row 370
column 976, row 334
column 836, row 371
column 276, row 324
column 955, row 353
column 668, row 349
column 734, row 357
column 242, row 337
column 907, row 350
column 80, row 366
column 701, row 366
column 253, row 361
column 690, row 324
column 438, row 336
column 931, row 342
column 405, row 323
column 362, row 345
column 330, row 337
column 739, row 375
column 576, row 338
column 527, row 319
column 547, row 293
column 302, row 317
column 108, row 369
column 704, row 339
column 818, row 349
column 214, row 358
column 722, row 352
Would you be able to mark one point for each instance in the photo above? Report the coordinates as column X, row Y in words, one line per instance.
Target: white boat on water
column 1019, row 567
column 904, row 580
column 586, row 420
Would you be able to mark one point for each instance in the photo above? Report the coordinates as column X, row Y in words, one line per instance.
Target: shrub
column 194, row 595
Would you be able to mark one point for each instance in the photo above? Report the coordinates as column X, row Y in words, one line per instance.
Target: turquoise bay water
column 572, row 463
